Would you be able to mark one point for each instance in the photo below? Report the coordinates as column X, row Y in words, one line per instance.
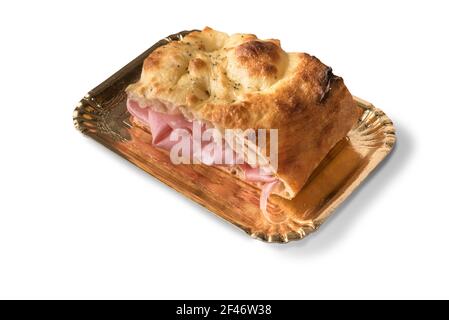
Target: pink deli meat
column 162, row 126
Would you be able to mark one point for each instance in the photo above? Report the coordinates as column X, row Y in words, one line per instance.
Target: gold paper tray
column 102, row 115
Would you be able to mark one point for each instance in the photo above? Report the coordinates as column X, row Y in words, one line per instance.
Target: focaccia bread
column 242, row 82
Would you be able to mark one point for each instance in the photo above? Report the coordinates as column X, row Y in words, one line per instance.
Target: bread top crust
column 235, row 81
column 240, row 81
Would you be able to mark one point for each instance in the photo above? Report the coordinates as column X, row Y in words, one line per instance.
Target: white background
column 77, row 221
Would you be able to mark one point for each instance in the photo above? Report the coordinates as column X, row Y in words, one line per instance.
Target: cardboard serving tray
column 102, row 115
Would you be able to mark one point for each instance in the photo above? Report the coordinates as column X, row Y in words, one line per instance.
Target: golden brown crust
column 258, row 57
column 242, row 82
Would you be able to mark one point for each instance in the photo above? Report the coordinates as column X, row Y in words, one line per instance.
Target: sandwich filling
column 162, row 127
